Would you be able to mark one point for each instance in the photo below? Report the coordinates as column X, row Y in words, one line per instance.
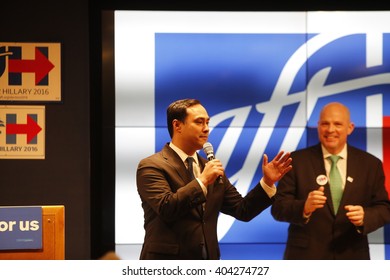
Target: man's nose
column 331, row 127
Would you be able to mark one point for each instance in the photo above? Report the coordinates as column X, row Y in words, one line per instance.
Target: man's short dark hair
column 178, row 110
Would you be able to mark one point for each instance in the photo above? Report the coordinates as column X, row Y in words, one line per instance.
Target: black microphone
column 209, row 151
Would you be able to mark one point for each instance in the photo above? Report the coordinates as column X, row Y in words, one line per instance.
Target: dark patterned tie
column 336, row 183
column 190, row 161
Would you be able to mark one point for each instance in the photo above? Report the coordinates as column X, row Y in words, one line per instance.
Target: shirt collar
column 342, row 154
column 182, row 154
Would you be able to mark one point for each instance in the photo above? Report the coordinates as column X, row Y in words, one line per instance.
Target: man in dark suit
column 318, row 229
column 181, row 211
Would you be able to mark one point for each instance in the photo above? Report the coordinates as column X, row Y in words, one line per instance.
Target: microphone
column 209, row 151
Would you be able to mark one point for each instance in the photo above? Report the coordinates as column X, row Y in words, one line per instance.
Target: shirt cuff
column 360, row 229
column 306, row 217
column 204, row 189
column 271, row 191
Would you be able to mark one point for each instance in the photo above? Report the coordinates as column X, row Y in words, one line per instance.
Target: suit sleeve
column 248, row 207
column 163, row 190
column 377, row 213
column 287, row 206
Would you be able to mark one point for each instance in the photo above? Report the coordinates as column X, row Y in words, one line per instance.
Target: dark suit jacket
column 174, row 226
column 324, row 235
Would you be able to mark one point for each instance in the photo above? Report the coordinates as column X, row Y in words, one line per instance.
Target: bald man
column 325, row 226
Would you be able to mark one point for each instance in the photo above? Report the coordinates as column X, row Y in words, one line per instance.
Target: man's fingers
column 265, row 159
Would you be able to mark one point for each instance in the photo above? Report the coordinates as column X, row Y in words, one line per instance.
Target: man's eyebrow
column 202, row 118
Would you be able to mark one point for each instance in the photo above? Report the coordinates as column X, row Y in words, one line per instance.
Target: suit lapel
column 173, row 159
column 352, row 171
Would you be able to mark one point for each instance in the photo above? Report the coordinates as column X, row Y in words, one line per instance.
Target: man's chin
column 331, row 146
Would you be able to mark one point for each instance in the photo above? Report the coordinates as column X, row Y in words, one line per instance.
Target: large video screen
column 263, row 77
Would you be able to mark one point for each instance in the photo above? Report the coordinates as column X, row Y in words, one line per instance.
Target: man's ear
column 351, row 127
column 177, row 125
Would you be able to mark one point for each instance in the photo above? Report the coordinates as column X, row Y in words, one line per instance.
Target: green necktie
column 336, row 183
